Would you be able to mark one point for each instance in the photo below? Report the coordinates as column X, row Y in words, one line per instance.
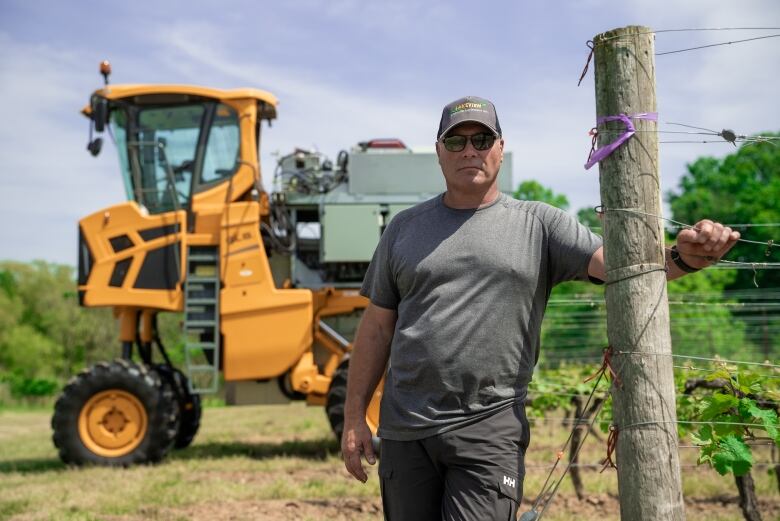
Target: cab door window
column 220, row 160
column 167, row 146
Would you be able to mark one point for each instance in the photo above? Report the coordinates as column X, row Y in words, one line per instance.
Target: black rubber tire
column 190, row 409
column 337, row 397
column 156, row 396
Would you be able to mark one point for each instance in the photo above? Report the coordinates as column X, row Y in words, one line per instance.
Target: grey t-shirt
column 470, row 288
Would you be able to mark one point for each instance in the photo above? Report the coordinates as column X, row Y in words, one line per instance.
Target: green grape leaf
column 767, row 417
column 733, row 455
column 705, row 454
column 703, row 436
column 719, row 373
column 729, row 424
column 750, row 383
column 717, row 404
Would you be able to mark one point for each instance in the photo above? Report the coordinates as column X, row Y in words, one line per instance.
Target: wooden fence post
column 637, row 309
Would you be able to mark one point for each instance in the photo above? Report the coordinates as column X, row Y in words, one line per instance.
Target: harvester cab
column 267, row 284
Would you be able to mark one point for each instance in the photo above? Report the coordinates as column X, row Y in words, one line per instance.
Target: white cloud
column 312, row 112
column 349, row 70
column 48, row 178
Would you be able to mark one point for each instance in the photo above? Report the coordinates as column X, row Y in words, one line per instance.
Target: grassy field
column 281, row 462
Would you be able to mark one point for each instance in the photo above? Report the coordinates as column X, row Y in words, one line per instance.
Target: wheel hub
column 112, row 423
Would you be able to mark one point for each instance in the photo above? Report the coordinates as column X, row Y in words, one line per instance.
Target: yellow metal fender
column 265, row 329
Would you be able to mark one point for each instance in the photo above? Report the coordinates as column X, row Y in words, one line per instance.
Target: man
column 458, row 287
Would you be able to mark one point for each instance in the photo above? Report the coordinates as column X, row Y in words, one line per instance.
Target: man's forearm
column 367, row 363
column 697, row 247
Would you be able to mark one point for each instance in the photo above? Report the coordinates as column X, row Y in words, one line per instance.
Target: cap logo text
column 468, row 106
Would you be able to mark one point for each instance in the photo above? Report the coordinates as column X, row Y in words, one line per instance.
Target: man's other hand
column 356, row 441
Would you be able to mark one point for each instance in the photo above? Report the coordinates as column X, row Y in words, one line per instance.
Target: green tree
column 534, row 191
column 45, row 336
column 701, row 320
column 742, row 188
column 11, row 307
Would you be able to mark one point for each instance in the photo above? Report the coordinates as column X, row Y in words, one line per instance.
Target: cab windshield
column 167, row 153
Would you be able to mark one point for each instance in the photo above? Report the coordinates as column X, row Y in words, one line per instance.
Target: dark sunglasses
column 481, row 141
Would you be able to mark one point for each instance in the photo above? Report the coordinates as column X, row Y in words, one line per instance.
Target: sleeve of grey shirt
column 379, row 283
column 571, row 246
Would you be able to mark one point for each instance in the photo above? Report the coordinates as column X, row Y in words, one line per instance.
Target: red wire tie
column 611, row 446
column 593, row 133
column 606, row 366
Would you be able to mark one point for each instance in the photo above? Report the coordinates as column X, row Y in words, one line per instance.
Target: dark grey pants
column 474, row 473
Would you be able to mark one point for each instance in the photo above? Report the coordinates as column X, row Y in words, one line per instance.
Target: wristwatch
column 681, row 263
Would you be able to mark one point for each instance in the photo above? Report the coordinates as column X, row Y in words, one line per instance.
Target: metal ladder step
column 201, row 334
column 200, row 346
column 201, row 300
column 201, row 278
column 202, row 257
column 199, row 323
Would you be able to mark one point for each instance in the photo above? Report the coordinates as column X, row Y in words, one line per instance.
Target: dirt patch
column 343, row 509
column 244, row 477
column 607, row 507
column 712, row 507
column 278, row 510
column 595, row 507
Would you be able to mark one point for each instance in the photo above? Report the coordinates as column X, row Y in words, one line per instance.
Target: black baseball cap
column 469, row 109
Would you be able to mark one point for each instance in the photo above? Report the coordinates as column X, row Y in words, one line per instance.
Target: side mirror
column 95, row 145
column 99, row 113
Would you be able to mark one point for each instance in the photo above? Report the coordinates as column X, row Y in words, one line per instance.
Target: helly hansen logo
column 509, row 481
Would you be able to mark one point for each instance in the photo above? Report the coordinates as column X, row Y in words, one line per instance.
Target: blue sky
column 348, row 70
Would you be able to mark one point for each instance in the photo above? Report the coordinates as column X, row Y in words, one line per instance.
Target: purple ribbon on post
column 604, row 151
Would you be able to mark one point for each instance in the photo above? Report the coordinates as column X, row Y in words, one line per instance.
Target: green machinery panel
column 384, row 172
column 357, row 230
column 350, row 232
